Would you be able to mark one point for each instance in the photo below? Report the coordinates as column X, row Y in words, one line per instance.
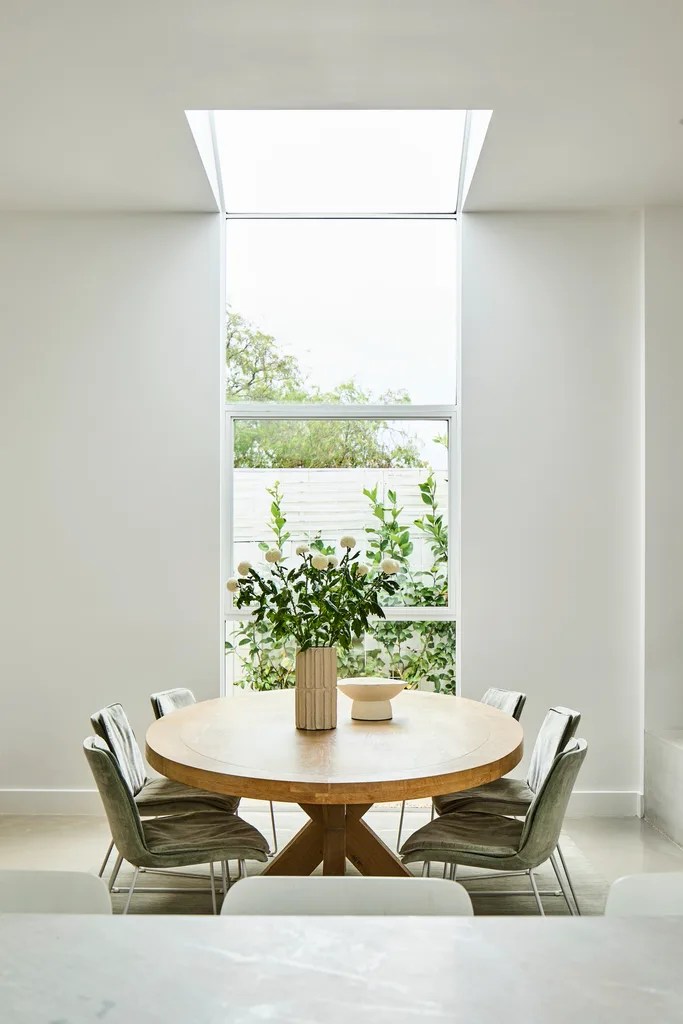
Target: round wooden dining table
column 248, row 746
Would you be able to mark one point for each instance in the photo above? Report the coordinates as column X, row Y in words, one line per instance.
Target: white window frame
column 293, row 411
column 283, row 411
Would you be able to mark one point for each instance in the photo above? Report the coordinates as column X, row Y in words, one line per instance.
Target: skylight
column 341, row 161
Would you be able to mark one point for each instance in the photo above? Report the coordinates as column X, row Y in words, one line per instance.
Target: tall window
column 341, row 367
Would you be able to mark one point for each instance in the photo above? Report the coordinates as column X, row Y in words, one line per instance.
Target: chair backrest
column 544, row 819
column 111, row 724
column 347, row 896
column 509, row 701
column 166, row 701
column 53, row 892
column 656, row 895
column 559, row 727
column 119, row 805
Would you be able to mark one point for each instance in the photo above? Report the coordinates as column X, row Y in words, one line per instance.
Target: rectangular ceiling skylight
column 340, row 161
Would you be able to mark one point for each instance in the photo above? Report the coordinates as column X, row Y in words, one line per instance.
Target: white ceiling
column 586, row 94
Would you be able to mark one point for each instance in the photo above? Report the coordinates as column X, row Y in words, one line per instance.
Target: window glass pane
column 315, row 481
column 422, row 653
column 340, row 161
column 351, row 310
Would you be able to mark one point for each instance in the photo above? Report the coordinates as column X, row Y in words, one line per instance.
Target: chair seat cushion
column 503, row 796
column 466, row 833
column 163, row 796
column 201, row 837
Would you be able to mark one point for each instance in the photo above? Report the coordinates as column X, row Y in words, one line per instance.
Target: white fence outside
column 330, row 502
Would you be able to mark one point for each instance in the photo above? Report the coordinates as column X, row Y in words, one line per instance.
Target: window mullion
column 337, row 411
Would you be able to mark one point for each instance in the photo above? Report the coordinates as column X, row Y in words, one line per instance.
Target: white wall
column 110, row 424
column 663, row 285
column 550, row 478
column 110, row 414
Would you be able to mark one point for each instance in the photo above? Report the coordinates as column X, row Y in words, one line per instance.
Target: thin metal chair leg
column 427, row 869
column 400, row 825
column 156, row 889
column 106, row 859
column 560, row 878
column 454, row 869
column 431, row 818
column 569, row 879
column 226, row 877
column 130, row 891
column 173, row 872
column 272, row 823
column 114, row 874
column 515, row 892
column 213, row 889
column 243, row 868
column 536, row 893
column 496, row 874
column 445, row 869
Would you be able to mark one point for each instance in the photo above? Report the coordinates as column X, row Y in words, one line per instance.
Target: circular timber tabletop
column 248, row 746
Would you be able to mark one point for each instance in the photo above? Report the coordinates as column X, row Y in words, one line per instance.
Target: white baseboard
column 641, row 805
column 51, row 801
column 607, row 803
column 583, row 804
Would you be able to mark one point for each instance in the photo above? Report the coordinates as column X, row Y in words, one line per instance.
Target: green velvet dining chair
column 167, row 701
column 476, row 838
column 510, row 702
column 514, row 796
column 153, row 796
column 175, row 840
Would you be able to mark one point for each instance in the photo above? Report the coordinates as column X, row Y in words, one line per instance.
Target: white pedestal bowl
column 371, row 696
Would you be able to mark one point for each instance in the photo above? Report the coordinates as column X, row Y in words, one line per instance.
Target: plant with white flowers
column 322, row 601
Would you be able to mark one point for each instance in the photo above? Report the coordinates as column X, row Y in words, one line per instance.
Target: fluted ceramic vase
column 316, row 688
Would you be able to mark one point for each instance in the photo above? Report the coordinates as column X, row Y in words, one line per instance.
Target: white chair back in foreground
column 658, row 894
column 53, row 892
column 347, row 896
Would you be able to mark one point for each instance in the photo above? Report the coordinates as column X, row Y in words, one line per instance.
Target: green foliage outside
column 257, row 371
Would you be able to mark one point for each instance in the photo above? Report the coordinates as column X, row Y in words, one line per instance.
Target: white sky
column 370, row 299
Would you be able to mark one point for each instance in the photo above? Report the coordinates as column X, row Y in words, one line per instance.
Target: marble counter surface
column 201, row 970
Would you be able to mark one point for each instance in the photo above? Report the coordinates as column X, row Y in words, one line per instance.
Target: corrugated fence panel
column 330, row 502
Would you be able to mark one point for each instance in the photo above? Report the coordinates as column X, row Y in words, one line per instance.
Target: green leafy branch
column 388, row 538
column 317, row 603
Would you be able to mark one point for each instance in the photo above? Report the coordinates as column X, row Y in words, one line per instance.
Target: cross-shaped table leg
column 334, row 833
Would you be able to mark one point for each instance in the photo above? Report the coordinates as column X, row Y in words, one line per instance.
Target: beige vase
column 316, row 688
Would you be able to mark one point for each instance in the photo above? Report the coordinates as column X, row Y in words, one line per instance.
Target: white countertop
column 203, row 970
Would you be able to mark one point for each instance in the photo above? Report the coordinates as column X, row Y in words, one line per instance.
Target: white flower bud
column 319, row 561
column 389, row 566
column 243, row 568
column 273, row 555
column 333, row 562
column 233, row 585
column 348, row 542
column 362, row 569
column 302, row 549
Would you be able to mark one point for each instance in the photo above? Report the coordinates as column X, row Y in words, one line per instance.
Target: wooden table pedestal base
column 336, row 833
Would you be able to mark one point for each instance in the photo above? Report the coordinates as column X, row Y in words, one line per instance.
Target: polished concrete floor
column 613, row 846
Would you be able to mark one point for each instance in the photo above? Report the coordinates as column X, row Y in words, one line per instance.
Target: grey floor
column 613, row 846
